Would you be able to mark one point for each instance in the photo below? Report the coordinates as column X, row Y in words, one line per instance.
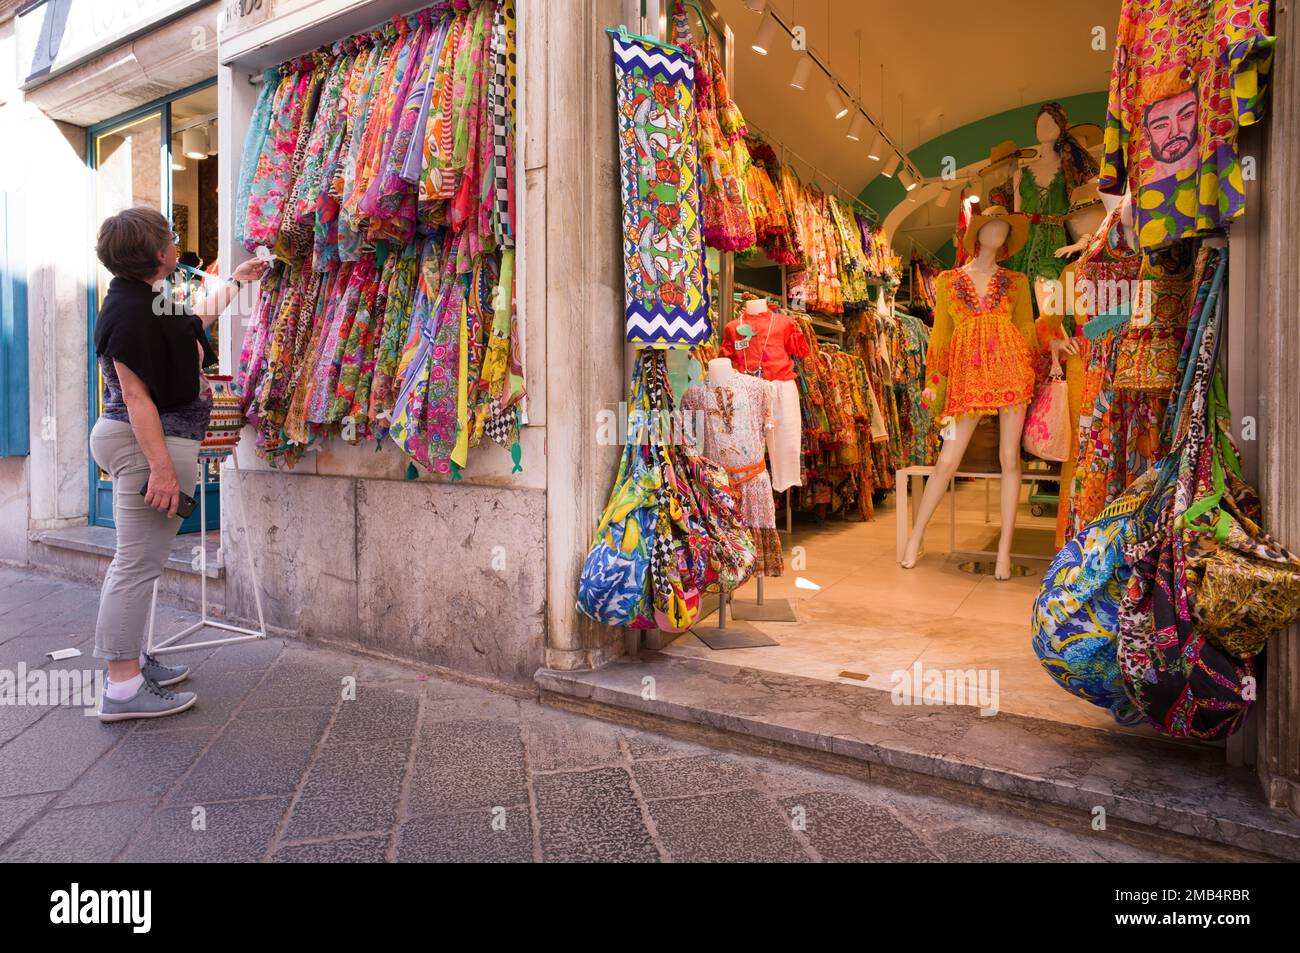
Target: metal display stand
column 738, row 635
column 244, row 635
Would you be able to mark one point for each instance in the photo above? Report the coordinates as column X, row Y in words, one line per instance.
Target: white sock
column 121, row 691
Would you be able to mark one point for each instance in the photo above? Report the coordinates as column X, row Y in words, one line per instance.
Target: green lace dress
column 1046, row 208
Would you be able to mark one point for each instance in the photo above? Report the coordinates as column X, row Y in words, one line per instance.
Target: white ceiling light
column 857, row 127
column 801, row 70
column 838, row 107
column 194, row 143
column 212, row 139
column 766, row 34
column 907, row 179
column 877, row 147
column 757, row 6
column 178, row 159
column 891, row 165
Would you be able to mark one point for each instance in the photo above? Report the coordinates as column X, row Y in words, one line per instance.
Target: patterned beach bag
column 225, row 421
column 1075, row 621
column 614, row 587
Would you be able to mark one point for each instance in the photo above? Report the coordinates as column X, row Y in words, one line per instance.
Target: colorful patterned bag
column 1075, row 622
column 615, row 584
column 1047, row 432
column 1247, row 584
column 1184, row 685
column 225, row 420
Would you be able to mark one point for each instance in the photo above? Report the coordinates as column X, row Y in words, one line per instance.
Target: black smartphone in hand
column 184, row 508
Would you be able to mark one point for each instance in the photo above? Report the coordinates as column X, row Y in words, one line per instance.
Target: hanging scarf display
column 379, row 172
column 663, row 256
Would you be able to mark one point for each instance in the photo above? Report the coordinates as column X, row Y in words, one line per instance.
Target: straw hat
column 1016, row 238
column 1088, row 134
column 1084, row 196
column 1006, row 152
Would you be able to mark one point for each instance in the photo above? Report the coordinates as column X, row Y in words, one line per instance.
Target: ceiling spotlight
column 178, row 158
column 857, row 127
column 837, row 104
column 766, row 34
column 943, row 198
column 891, row 165
column 974, row 197
column 877, row 147
column 194, row 143
column 801, row 70
column 757, row 6
column 907, row 179
column 212, row 139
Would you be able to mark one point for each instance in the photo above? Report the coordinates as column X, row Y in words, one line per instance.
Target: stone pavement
column 274, row 763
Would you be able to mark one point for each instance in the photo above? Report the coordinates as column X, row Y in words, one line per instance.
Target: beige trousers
column 144, row 535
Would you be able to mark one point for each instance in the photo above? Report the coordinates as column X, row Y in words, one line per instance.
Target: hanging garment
column 258, row 129
column 663, row 258
column 1187, row 75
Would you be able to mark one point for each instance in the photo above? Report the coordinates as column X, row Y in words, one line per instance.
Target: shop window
column 165, row 156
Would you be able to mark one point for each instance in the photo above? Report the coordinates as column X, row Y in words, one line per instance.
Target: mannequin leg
column 1012, row 423
column 935, row 487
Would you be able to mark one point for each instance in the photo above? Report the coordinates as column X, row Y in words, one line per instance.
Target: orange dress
column 983, row 353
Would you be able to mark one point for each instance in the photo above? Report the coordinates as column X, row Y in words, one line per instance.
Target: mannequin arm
column 937, row 356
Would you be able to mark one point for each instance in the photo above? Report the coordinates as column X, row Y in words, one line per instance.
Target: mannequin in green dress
column 1042, row 189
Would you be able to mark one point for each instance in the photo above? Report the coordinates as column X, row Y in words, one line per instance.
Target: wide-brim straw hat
column 1088, row 134
column 1084, row 196
column 1006, row 152
column 1016, row 238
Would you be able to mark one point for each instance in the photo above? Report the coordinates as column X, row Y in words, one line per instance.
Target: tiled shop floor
column 860, row 612
column 276, row 764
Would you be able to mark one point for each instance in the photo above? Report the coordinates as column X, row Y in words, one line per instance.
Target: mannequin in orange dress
column 983, row 359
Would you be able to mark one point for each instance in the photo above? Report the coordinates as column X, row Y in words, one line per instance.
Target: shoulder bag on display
column 614, row 587
column 1047, row 432
column 225, row 420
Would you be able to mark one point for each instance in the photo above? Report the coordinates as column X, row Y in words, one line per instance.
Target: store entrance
column 875, row 153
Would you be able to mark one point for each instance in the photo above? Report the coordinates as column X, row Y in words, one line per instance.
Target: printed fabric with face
column 1187, row 75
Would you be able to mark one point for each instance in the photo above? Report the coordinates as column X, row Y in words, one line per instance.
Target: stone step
column 1152, row 790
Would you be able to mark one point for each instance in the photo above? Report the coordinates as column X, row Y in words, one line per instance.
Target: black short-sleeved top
column 160, row 349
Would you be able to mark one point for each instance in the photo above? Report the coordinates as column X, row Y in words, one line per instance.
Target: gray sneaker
column 151, row 701
column 163, row 675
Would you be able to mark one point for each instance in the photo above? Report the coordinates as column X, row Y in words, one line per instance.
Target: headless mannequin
column 720, row 371
column 1043, row 168
column 1011, row 422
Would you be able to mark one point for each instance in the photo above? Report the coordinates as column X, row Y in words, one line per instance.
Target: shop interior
column 927, row 77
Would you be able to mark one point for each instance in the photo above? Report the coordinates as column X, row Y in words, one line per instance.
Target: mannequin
column 764, row 343
column 737, row 411
column 1043, row 187
column 981, row 360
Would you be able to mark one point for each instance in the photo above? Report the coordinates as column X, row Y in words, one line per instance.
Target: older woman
column 147, row 438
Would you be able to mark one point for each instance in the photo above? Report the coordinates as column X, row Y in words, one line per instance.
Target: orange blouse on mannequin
column 983, row 351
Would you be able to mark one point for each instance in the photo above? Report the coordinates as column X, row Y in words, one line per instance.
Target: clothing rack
column 844, row 193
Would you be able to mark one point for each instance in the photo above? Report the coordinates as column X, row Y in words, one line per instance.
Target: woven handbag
column 225, row 421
